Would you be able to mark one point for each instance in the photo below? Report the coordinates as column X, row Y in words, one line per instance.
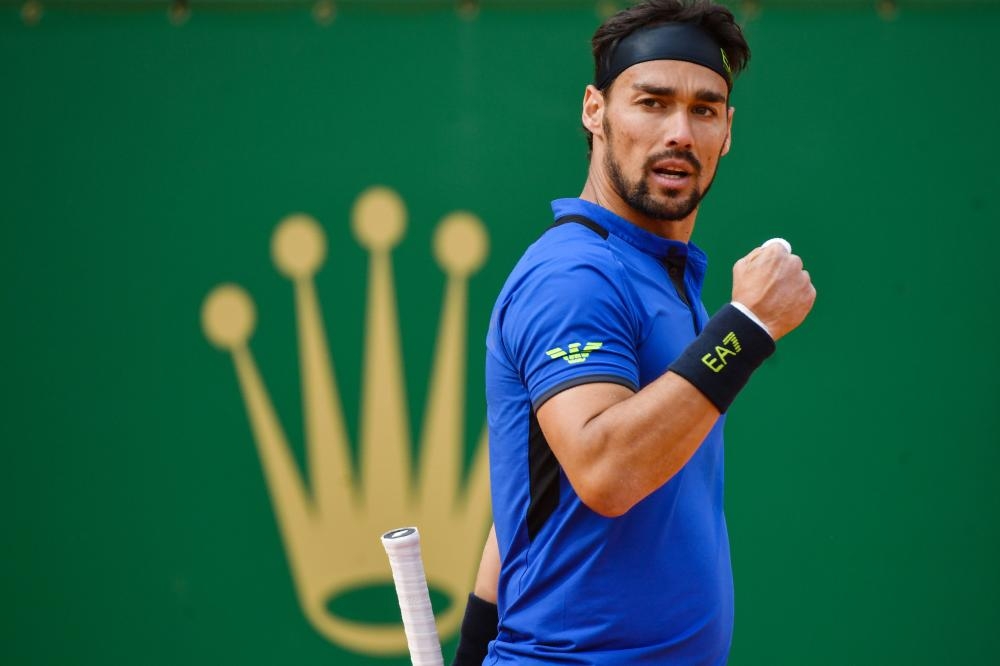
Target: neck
column 598, row 191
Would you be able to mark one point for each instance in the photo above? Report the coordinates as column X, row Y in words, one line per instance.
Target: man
column 607, row 382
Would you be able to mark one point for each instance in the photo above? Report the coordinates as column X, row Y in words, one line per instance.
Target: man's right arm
column 617, row 446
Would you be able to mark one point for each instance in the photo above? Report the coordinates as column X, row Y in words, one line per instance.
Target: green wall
column 143, row 163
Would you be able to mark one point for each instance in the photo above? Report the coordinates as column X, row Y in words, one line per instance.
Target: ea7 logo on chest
column 575, row 353
column 730, row 347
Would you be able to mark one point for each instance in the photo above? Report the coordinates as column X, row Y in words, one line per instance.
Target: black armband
column 479, row 627
column 720, row 360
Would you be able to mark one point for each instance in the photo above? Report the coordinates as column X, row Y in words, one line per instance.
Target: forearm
column 617, row 447
column 634, row 444
column 479, row 626
column 488, row 576
column 651, row 435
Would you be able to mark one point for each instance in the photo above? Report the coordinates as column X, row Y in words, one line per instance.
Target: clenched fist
column 772, row 283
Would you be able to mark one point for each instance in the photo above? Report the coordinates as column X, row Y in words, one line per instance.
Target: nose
column 677, row 131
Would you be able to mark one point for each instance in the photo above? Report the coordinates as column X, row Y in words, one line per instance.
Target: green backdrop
column 144, row 162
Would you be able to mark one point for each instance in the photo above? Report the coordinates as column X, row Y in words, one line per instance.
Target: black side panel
column 543, row 473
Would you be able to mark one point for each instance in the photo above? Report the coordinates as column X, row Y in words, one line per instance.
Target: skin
column 489, row 569
column 615, row 445
column 652, row 110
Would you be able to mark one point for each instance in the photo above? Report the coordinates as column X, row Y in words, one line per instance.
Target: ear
column 729, row 131
column 593, row 111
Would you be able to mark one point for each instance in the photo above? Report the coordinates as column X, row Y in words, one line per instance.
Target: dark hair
column 715, row 19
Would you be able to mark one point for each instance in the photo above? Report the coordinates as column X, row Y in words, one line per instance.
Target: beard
column 673, row 205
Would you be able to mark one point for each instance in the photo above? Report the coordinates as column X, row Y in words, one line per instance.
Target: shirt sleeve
column 568, row 323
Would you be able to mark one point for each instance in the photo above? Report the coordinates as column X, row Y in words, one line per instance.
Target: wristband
column 479, row 627
column 721, row 359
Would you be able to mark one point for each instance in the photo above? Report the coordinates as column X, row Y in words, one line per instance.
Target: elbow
column 610, row 510
column 606, row 506
column 606, row 498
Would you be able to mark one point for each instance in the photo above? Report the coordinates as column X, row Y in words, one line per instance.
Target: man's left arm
column 479, row 626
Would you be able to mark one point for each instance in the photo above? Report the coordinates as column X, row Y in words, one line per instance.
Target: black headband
column 667, row 41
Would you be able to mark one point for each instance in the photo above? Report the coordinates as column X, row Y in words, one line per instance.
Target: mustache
column 675, row 154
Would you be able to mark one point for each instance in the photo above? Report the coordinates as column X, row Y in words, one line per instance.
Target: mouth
column 672, row 175
column 674, row 168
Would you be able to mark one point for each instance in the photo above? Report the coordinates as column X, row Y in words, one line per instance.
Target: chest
column 667, row 319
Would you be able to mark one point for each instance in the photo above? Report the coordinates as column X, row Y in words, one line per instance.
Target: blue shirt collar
column 638, row 237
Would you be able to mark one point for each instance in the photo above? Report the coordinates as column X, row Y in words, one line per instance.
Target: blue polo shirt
column 653, row 586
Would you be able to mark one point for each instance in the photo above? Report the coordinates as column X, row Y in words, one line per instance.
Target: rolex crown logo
column 330, row 525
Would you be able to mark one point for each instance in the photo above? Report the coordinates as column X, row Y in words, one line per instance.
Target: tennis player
column 607, row 382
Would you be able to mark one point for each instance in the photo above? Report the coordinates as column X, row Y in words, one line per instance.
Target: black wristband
column 720, row 360
column 479, row 627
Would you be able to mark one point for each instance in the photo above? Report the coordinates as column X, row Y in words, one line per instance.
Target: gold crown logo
column 329, row 526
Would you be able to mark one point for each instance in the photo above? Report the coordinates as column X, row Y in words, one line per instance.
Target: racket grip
column 403, row 548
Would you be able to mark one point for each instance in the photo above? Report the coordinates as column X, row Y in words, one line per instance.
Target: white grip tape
column 403, row 548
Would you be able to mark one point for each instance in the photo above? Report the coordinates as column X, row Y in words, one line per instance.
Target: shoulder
column 569, row 278
column 568, row 266
column 569, row 251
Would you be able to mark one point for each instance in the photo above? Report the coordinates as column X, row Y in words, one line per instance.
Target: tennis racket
column 403, row 548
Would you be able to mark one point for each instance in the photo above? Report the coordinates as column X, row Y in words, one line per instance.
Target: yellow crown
column 330, row 532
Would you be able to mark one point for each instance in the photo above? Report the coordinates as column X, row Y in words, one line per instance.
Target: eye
column 650, row 102
column 702, row 110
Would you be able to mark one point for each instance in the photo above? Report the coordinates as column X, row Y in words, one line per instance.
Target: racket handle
column 403, row 548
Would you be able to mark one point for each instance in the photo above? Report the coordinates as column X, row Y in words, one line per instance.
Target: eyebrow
column 702, row 94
